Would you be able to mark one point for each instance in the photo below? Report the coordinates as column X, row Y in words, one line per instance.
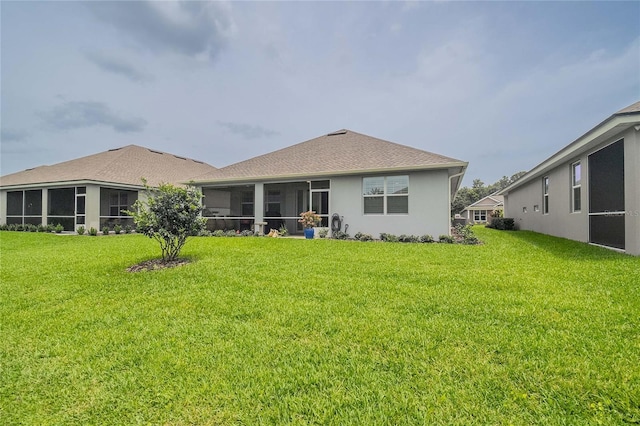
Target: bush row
column 32, row 228
column 503, row 224
column 58, row 228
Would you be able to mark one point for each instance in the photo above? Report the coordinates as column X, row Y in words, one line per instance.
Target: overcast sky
column 502, row 85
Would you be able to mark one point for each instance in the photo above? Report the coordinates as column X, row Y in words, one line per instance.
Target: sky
column 502, row 85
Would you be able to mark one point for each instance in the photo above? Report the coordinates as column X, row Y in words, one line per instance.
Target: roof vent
column 155, row 152
column 114, row 149
column 181, row 158
column 339, row 132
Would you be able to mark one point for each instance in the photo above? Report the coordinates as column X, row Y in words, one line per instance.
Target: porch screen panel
column 14, row 203
column 606, row 196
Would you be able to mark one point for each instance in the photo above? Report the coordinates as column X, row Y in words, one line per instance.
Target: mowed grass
column 525, row 329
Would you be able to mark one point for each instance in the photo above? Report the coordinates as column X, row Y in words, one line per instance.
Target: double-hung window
column 545, row 195
column 386, row 194
column 576, row 185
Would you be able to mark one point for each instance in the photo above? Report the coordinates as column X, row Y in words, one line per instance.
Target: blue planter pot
column 308, row 233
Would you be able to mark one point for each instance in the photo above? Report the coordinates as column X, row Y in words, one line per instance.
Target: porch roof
column 337, row 153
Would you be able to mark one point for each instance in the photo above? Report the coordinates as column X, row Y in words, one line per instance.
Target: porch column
column 45, row 206
column 3, row 207
column 92, row 207
column 258, row 202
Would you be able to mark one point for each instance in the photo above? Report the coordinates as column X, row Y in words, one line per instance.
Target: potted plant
column 309, row 219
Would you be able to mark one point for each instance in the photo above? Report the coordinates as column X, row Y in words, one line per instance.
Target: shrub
column 169, row 215
column 322, row 233
column 30, row 228
column 503, row 224
column 249, row 233
column 105, row 230
column 19, row 227
column 464, row 234
column 12, row 227
column 426, row 239
column 117, row 229
column 51, row 228
column 93, row 231
column 448, row 239
column 389, row 238
column 283, row 231
column 127, row 229
column 4, row 227
column 80, row 230
column 363, row 237
column 218, row 233
column 340, row 235
column 59, row 228
column 408, row 238
column 42, row 228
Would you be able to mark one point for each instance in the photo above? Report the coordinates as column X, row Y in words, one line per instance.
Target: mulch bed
column 157, row 264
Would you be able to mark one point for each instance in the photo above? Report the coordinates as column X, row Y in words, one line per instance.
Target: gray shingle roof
column 126, row 165
column 630, row 109
column 340, row 152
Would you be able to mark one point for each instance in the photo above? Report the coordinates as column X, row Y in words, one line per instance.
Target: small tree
column 169, row 215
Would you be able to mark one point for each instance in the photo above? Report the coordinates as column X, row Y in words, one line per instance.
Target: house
column 589, row 190
column 90, row 191
column 481, row 210
column 348, row 178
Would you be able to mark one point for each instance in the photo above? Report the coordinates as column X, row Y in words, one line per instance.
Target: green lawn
column 525, row 329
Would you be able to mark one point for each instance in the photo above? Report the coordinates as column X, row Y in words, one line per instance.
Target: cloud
column 12, row 135
column 115, row 65
column 248, row 131
column 194, row 29
column 76, row 115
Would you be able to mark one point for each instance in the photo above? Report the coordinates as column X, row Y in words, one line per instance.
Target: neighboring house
column 91, row 191
column 373, row 185
column 481, row 210
column 588, row 191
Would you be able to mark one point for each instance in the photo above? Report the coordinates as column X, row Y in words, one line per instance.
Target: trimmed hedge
column 503, row 224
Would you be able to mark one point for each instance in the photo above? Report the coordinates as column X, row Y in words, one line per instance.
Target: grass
column 525, row 329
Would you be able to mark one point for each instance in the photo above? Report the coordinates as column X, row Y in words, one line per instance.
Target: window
column 386, row 195
column 545, row 195
column 479, row 215
column 576, row 185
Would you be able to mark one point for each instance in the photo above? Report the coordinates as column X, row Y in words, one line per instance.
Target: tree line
column 479, row 190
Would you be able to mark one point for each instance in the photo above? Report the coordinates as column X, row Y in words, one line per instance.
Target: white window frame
column 385, row 195
column 576, row 186
column 478, row 215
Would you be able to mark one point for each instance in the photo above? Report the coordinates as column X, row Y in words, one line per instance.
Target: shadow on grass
column 563, row 247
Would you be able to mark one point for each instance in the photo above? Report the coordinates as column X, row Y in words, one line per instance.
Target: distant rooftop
column 125, row 165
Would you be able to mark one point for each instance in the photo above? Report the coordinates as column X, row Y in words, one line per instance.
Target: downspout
column 451, row 177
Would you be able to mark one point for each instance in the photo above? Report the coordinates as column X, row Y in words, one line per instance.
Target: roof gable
column 339, row 152
column 126, row 165
column 491, row 201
